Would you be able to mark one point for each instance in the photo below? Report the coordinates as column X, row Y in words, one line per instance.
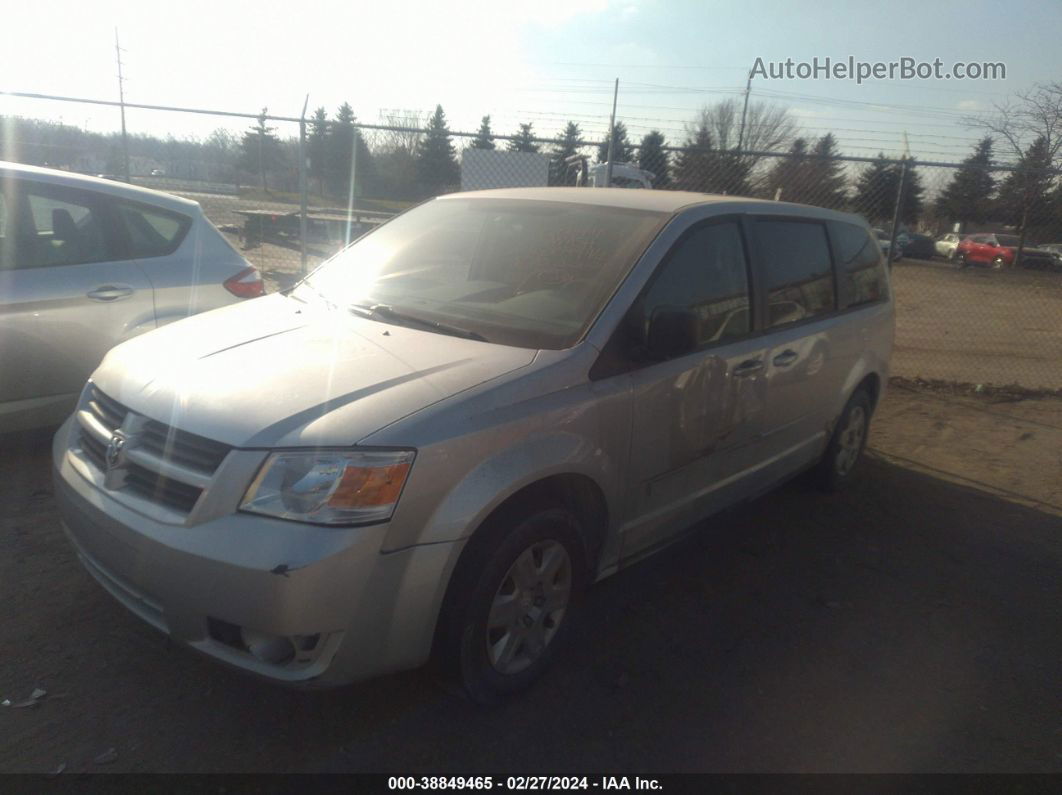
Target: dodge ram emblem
column 115, row 448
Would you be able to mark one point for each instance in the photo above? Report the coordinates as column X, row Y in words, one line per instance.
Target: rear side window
column 860, row 265
column 798, row 272
column 150, row 231
column 706, row 272
column 56, row 229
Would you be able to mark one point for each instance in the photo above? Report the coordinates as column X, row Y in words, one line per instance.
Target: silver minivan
column 431, row 445
column 87, row 263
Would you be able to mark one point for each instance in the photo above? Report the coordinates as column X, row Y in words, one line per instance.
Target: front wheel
column 997, row 263
column 845, row 450
column 508, row 608
column 960, row 259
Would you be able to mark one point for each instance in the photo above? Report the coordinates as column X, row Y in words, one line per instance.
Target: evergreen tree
column 622, row 152
column 695, row 162
column 437, row 169
column 653, row 158
column 829, row 187
column 730, row 175
column 877, row 187
column 340, row 146
column 968, row 197
column 788, row 178
column 912, row 203
column 261, row 151
column 318, row 147
column 341, row 143
column 875, row 193
column 699, row 168
column 1024, row 194
column 566, row 146
column 484, row 138
column 523, row 141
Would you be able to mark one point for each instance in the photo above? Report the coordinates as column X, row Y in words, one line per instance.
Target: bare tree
column 395, row 151
column 409, row 129
column 1028, row 127
column 768, row 127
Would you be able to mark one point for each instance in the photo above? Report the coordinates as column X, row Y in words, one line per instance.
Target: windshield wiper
column 389, row 313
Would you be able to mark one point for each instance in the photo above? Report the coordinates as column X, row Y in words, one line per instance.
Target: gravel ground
column 908, row 625
column 978, row 325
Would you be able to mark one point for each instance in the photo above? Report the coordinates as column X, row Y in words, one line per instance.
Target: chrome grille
column 157, row 488
column 185, row 448
column 165, row 465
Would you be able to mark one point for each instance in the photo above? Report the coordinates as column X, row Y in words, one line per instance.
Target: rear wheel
column 845, row 450
column 508, row 608
column 997, row 263
column 961, row 260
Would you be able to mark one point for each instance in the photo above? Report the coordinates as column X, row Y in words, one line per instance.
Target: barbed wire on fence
column 994, row 326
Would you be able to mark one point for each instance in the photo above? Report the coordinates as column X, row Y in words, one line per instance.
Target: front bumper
column 365, row 612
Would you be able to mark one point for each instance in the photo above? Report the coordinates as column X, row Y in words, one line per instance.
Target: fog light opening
column 272, row 649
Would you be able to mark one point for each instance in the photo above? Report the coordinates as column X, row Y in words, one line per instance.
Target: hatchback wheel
column 961, row 260
column 997, row 263
column 508, row 608
column 849, row 440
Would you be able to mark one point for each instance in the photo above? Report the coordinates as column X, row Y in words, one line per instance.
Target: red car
column 997, row 251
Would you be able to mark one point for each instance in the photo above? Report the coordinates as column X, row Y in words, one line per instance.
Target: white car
column 946, row 244
column 87, row 263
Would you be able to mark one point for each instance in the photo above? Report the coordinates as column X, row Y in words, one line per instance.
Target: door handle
column 785, row 358
column 110, row 293
column 748, row 367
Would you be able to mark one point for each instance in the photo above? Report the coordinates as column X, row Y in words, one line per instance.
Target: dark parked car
column 919, row 246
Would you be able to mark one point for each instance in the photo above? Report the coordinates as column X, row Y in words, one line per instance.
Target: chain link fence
column 290, row 191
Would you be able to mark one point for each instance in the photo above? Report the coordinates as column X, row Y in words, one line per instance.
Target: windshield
column 528, row 273
column 1007, row 240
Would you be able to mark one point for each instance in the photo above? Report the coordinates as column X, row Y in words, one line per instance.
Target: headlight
column 329, row 487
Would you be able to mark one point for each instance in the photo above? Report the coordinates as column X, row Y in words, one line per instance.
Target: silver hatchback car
column 87, row 263
column 433, row 443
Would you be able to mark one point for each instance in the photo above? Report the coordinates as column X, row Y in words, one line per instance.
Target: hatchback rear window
column 150, row 231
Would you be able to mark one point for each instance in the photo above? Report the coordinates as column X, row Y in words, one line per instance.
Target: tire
column 840, row 462
column 997, row 263
column 961, row 260
column 508, row 608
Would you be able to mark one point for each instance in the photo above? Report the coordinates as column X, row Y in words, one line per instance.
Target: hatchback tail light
column 246, row 284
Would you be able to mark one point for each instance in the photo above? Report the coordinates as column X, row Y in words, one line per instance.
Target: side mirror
column 673, row 331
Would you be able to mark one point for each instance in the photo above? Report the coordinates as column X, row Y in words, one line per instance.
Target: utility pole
column 744, row 112
column 611, row 137
column 353, row 176
column 121, row 103
column 897, row 209
column 302, row 185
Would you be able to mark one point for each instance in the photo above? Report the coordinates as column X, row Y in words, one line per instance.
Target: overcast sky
column 544, row 61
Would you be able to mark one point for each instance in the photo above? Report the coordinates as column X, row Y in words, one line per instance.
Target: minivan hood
column 276, row 372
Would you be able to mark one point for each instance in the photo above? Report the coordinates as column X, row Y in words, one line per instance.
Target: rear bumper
column 365, row 613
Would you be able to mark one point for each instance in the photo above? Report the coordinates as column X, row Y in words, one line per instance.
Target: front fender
column 493, row 480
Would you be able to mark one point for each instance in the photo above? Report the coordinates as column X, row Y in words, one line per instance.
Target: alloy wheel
column 529, row 606
column 851, row 440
